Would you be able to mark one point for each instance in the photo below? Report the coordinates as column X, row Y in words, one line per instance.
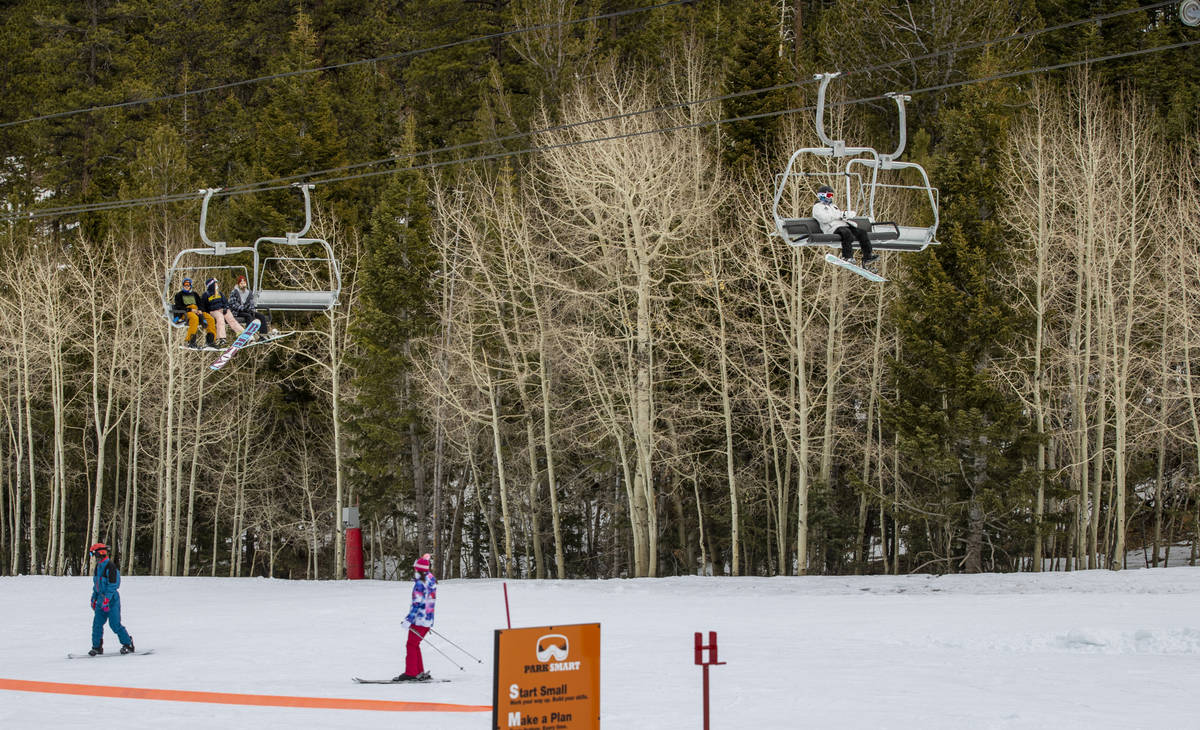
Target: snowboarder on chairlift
column 190, row 304
column 215, row 304
column 419, row 620
column 106, row 602
column 834, row 220
column 244, row 307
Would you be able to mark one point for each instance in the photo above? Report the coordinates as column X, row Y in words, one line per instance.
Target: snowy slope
column 1064, row 650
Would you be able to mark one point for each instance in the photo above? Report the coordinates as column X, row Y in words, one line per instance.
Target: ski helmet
column 825, row 194
column 100, row 550
column 187, row 282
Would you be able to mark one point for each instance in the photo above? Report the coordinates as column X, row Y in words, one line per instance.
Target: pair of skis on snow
column 360, row 680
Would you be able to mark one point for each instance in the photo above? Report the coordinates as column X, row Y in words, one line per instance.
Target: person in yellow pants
column 189, row 304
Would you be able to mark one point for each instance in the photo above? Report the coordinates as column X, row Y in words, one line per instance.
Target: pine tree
column 756, row 62
column 962, row 436
column 396, row 280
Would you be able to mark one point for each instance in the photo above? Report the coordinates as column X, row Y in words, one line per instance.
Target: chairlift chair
column 884, row 235
column 277, row 299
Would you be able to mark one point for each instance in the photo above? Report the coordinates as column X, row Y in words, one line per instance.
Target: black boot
column 193, row 342
column 404, row 678
column 128, row 648
column 208, row 339
column 98, row 649
column 870, row 259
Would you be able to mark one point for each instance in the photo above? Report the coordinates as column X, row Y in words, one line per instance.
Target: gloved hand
column 104, row 605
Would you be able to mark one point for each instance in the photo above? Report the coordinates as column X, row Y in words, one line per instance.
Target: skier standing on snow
column 419, row 619
column 106, row 602
column 216, row 305
column 837, row 221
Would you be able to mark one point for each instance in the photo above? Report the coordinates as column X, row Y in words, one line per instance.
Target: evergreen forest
column 566, row 342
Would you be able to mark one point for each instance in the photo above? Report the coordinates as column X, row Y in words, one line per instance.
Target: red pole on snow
column 711, row 647
column 507, row 615
column 354, row 555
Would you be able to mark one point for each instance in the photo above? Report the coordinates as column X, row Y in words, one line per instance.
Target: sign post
column 547, row 677
column 711, row 647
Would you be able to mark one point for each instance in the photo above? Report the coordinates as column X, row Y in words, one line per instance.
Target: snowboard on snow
column 863, row 272
column 109, row 654
column 360, row 680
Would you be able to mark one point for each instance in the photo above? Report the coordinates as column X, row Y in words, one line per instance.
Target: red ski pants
column 412, row 662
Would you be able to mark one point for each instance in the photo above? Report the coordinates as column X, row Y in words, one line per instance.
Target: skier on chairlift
column 218, row 307
column 189, row 304
column 836, row 221
column 243, row 304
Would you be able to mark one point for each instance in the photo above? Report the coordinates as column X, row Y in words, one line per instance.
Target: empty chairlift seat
column 297, row 301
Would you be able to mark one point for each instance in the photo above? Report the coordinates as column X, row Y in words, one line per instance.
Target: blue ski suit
column 106, row 603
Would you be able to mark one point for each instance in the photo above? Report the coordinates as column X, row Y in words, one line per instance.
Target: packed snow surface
column 1092, row 649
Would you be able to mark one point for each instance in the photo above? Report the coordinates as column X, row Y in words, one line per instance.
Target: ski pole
column 439, row 651
column 456, row 646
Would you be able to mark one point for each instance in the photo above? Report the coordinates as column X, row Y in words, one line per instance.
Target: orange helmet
column 99, row 549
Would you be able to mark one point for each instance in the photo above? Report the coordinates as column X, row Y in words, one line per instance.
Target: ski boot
column 128, row 648
column 424, row 677
column 405, row 678
column 98, row 649
column 209, row 340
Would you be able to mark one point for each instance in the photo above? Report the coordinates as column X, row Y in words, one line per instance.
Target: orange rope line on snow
column 226, row 698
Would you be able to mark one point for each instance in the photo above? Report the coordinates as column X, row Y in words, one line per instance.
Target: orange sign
column 547, row 678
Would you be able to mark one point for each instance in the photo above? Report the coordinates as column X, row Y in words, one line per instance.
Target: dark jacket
column 184, row 297
column 214, row 301
column 242, row 304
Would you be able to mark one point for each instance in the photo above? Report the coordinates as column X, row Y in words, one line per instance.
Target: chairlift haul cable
column 258, row 187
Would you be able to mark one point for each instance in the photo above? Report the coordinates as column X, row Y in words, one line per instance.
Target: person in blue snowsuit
column 106, row 602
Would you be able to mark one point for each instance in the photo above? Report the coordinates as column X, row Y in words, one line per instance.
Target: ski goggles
column 552, row 646
column 825, row 197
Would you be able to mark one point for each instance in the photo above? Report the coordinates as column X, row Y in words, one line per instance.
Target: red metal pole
column 705, row 664
column 507, row 615
column 354, row 553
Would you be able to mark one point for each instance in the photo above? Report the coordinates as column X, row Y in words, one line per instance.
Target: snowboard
column 864, row 273
column 238, row 344
column 431, row 680
column 114, row 653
